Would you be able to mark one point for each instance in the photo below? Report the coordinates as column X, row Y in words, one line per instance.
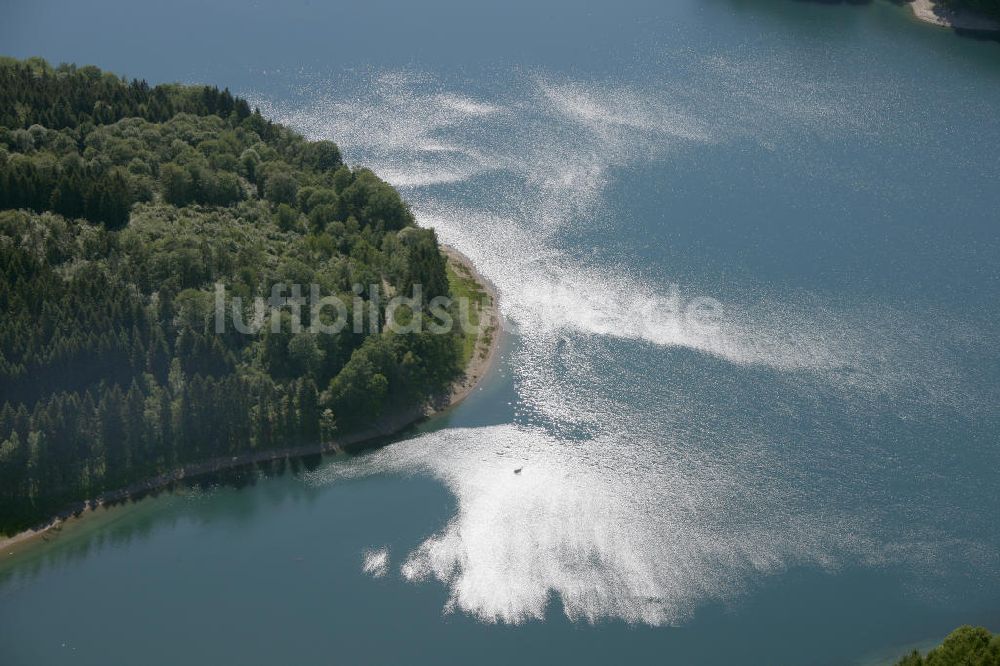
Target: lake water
column 809, row 478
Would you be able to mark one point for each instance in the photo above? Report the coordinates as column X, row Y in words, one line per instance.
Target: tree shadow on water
column 974, row 34
column 89, row 527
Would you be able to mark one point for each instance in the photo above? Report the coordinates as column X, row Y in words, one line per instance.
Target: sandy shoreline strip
column 930, row 12
column 482, row 361
column 484, row 355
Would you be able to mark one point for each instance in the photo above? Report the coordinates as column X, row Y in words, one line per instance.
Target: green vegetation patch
column 966, row 646
column 466, row 289
column 122, row 207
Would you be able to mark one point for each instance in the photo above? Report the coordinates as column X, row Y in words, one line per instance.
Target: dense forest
column 966, row 646
column 121, row 206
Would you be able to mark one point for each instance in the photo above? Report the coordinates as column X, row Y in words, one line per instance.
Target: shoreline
column 485, row 352
column 478, row 367
column 930, row 12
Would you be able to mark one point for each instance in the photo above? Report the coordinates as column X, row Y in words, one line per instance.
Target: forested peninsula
column 122, row 206
column 966, row 646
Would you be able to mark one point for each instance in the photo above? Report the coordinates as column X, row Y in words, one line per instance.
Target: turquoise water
column 810, row 479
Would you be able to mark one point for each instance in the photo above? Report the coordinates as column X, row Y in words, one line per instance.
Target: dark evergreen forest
column 121, row 206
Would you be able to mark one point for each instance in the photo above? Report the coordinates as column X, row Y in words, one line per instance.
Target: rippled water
column 655, row 479
column 812, row 473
